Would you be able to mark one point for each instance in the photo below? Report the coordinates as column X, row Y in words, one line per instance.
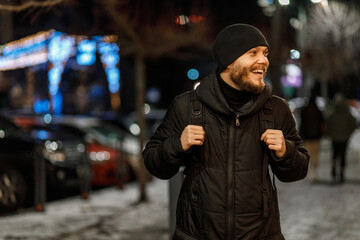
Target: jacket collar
column 210, row 94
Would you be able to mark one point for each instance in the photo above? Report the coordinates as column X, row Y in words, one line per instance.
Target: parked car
column 129, row 121
column 110, row 149
column 67, row 163
column 17, row 158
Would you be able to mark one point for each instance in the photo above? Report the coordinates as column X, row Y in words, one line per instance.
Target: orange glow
column 183, row 19
column 196, row 19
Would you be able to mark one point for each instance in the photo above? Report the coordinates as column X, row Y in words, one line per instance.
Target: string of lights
column 55, row 48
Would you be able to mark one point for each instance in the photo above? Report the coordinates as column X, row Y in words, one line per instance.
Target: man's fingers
column 197, row 142
column 195, row 132
column 275, row 140
column 271, row 134
column 192, row 135
column 195, row 129
column 274, row 147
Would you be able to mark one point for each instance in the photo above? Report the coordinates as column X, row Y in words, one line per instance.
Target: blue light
column 60, row 48
column 10, row 51
column 54, row 76
column 110, row 59
column 54, row 49
column 87, row 46
column 86, row 59
column 41, row 106
column 41, row 134
column 113, row 75
column 57, row 103
column 108, row 47
column 113, row 88
column 53, row 89
column 193, row 74
column 97, row 38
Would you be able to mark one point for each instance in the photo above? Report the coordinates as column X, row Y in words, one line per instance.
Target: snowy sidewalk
column 108, row 214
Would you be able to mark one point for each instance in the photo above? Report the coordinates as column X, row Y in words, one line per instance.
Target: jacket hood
column 210, row 94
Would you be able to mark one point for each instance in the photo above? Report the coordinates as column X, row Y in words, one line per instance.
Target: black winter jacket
column 222, row 196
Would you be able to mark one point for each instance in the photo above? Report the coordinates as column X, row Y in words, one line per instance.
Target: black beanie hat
column 235, row 40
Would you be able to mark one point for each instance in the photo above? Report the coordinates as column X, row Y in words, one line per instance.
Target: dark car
column 67, row 162
column 17, row 159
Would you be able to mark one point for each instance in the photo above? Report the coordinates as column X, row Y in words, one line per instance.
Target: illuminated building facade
column 55, row 49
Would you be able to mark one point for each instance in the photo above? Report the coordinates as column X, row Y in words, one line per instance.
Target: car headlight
column 53, row 151
column 54, row 156
column 99, row 156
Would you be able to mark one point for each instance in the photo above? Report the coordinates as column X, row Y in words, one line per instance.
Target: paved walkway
column 309, row 211
column 321, row 210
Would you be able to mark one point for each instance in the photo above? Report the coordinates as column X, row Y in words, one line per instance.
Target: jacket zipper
column 230, row 221
column 237, row 121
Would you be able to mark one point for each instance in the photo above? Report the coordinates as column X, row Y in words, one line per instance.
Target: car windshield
column 106, row 134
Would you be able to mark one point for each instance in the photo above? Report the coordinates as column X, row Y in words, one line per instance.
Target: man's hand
column 275, row 140
column 192, row 135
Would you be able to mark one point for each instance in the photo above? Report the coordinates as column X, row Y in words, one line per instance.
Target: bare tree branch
column 31, row 4
column 333, row 39
column 121, row 21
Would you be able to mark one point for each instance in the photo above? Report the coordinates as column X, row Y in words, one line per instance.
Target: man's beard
column 240, row 79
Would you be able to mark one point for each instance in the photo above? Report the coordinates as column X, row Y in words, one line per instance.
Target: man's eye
column 266, row 54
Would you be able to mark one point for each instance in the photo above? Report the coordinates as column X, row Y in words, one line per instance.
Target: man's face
column 248, row 71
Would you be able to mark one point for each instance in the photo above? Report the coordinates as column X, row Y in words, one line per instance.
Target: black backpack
column 196, row 117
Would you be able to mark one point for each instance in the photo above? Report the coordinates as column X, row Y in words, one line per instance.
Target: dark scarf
column 235, row 98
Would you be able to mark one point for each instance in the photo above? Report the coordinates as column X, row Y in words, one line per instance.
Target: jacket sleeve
column 163, row 154
column 293, row 165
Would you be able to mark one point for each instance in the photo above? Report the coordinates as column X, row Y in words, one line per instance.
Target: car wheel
column 12, row 189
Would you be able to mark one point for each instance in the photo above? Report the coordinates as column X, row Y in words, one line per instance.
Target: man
column 340, row 126
column 227, row 192
column 312, row 128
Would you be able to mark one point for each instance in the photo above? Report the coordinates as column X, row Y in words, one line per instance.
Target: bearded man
column 227, row 192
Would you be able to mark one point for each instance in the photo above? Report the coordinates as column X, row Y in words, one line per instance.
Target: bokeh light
column 294, row 54
column 193, row 74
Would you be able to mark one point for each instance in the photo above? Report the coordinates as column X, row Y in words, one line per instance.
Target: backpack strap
column 195, row 115
column 266, row 122
column 195, row 118
column 266, row 116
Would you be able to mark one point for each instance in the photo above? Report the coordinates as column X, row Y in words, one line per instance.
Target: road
column 309, row 211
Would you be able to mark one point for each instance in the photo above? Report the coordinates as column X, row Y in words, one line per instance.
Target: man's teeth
column 259, row 71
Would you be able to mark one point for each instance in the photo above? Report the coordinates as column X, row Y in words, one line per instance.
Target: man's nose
column 263, row 59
